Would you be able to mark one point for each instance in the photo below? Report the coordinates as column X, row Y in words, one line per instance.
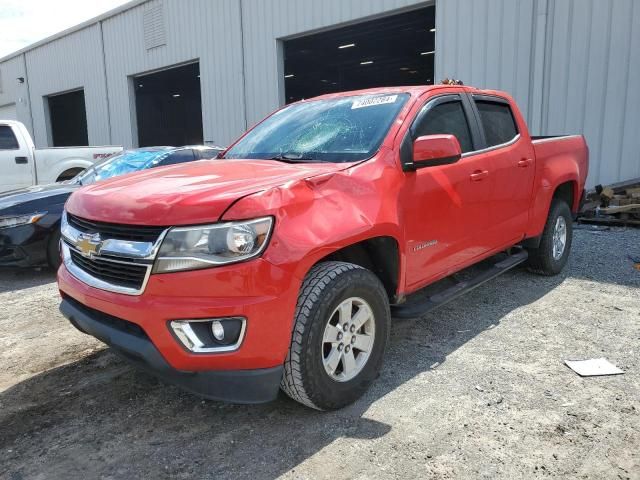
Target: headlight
column 189, row 248
column 16, row 220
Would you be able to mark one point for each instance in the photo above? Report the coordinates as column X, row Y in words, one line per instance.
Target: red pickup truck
column 281, row 264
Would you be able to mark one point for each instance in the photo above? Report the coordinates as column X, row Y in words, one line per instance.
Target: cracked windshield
column 344, row 129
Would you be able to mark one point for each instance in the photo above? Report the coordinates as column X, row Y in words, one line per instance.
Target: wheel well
column 53, row 241
column 69, row 174
column 564, row 191
column 378, row 254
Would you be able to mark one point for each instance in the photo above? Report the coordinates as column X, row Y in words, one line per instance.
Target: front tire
column 341, row 330
column 553, row 252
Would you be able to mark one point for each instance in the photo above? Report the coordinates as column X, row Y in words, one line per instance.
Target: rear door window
column 447, row 118
column 8, row 140
column 497, row 121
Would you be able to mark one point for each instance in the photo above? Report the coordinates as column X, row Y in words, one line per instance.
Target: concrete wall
column 573, row 65
column 266, row 23
column 488, row 44
column 69, row 63
column 13, row 93
column 592, row 82
column 206, row 31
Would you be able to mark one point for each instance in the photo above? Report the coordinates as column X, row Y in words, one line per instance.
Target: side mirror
column 432, row 150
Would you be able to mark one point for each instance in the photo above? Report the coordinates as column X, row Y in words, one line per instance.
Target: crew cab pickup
column 23, row 165
column 282, row 264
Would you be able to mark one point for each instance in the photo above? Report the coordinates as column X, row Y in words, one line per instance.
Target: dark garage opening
column 68, row 119
column 169, row 107
column 389, row 51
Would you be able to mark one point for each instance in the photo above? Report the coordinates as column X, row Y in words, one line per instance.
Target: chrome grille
column 116, row 258
column 126, row 274
column 136, row 233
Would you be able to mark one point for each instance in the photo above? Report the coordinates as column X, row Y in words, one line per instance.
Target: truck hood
column 186, row 194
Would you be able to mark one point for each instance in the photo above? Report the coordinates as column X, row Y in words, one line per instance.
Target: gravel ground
column 477, row 389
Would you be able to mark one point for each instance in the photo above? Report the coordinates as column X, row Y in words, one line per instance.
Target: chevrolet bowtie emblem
column 89, row 244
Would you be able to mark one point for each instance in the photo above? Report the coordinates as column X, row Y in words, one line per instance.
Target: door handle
column 479, row 175
column 525, row 162
column 22, row 160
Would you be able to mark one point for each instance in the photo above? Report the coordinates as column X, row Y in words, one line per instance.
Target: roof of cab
column 413, row 90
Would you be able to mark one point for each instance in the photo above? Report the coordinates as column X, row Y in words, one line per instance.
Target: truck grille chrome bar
column 121, row 265
column 136, row 233
column 106, row 274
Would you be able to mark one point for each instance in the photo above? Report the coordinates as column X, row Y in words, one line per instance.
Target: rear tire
column 53, row 250
column 340, row 332
column 555, row 245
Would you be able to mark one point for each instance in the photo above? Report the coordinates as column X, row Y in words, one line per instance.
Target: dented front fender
column 318, row 216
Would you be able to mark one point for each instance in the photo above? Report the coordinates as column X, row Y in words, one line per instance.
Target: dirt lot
column 477, row 389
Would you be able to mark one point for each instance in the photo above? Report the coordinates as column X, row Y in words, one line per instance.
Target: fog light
column 210, row 335
column 218, row 330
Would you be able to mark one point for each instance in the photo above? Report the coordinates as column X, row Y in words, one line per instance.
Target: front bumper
column 241, row 386
column 23, row 246
column 257, row 290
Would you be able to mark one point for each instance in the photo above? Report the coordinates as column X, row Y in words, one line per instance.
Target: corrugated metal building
column 573, row 65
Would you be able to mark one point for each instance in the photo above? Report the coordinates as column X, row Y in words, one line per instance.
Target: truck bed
column 535, row 138
column 54, row 161
column 575, row 146
column 557, row 154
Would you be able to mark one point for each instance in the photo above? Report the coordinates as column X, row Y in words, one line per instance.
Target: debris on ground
column 593, row 367
column 614, row 205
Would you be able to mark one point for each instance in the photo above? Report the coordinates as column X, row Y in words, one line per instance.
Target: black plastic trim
column 235, row 386
column 531, row 242
column 475, row 125
column 421, row 306
column 406, row 153
column 436, row 162
column 583, row 200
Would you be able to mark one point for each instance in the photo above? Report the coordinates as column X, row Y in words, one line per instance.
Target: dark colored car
column 30, row 217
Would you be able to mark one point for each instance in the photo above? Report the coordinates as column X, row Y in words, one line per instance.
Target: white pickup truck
column 21, row 165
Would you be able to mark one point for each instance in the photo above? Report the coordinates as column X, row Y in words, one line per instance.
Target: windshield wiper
column 293, row 158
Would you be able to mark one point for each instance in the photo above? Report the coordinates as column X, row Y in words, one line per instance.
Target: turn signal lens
column 14, row 221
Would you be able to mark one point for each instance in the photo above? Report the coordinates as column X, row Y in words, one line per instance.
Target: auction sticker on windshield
column 373, row 101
